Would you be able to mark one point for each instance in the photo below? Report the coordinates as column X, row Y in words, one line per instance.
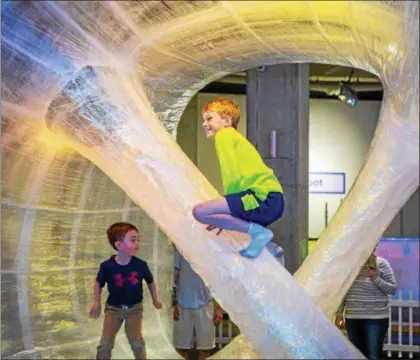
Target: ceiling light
column 347, row 94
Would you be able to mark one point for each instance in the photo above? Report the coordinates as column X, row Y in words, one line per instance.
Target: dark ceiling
column 329, row 76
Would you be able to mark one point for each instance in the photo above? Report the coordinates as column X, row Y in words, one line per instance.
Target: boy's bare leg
column 217, row 213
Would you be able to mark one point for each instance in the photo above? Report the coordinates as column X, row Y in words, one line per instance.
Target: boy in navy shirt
column 124, row 274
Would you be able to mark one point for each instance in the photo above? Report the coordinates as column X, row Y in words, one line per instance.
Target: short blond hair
column 225, row 107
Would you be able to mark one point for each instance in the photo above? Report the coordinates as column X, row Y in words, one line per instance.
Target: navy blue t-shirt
column 125, row 282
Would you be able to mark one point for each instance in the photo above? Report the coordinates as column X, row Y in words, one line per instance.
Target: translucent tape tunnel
column 91, row 96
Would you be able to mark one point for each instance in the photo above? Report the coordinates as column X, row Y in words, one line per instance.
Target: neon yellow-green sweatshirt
column 243, row 168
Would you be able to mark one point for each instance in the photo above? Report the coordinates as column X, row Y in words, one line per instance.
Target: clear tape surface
column 91, row 96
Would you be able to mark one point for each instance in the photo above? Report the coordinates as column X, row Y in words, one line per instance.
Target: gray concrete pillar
column 186, row 135
column 278, row 99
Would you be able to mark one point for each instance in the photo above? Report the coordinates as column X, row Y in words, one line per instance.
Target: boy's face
column 213, row 122
column 130, row 243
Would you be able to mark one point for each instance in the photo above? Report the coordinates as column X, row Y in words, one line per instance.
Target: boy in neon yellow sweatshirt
column 253, row 195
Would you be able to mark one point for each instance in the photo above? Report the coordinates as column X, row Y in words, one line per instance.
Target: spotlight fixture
column 347, row 94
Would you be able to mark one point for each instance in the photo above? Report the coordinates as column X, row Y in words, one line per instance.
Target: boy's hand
column 157, row 304
column 175, row 313
column 95, row 310
column 211, row 227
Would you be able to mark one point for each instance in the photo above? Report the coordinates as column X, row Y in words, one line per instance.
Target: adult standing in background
column 366, row 307
column 193, row 311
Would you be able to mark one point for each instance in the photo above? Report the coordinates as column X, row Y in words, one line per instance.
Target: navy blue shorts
column 270, row 210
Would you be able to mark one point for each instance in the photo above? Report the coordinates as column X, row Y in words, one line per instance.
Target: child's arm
column 95, row 310
column 97, row 291
column 152, row 287
column 153, row 292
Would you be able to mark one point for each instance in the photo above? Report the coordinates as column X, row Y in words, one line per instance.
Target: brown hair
column 117, row 231
column 225, row 107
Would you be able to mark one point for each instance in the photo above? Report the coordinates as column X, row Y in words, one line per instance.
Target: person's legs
column 112, row 323
column 183, row 352
column 133, row 320
column 203, row 354
column 355, row 333
column 269, row 211
column 183, row 331
column 205, row 330
column 217, row 213
column 375, row 330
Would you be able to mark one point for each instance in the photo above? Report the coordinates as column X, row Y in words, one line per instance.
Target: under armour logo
column 119, row 279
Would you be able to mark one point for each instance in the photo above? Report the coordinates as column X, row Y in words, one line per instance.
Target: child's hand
column 157, row 304
column 211, row 227
column 95, row 310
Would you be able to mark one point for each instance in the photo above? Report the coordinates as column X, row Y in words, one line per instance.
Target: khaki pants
column 114, row 317
column 199, row 321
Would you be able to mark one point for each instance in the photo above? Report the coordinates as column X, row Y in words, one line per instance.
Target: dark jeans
column 368, row 335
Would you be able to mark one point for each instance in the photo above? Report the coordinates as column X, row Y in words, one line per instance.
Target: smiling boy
column 253, row 194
